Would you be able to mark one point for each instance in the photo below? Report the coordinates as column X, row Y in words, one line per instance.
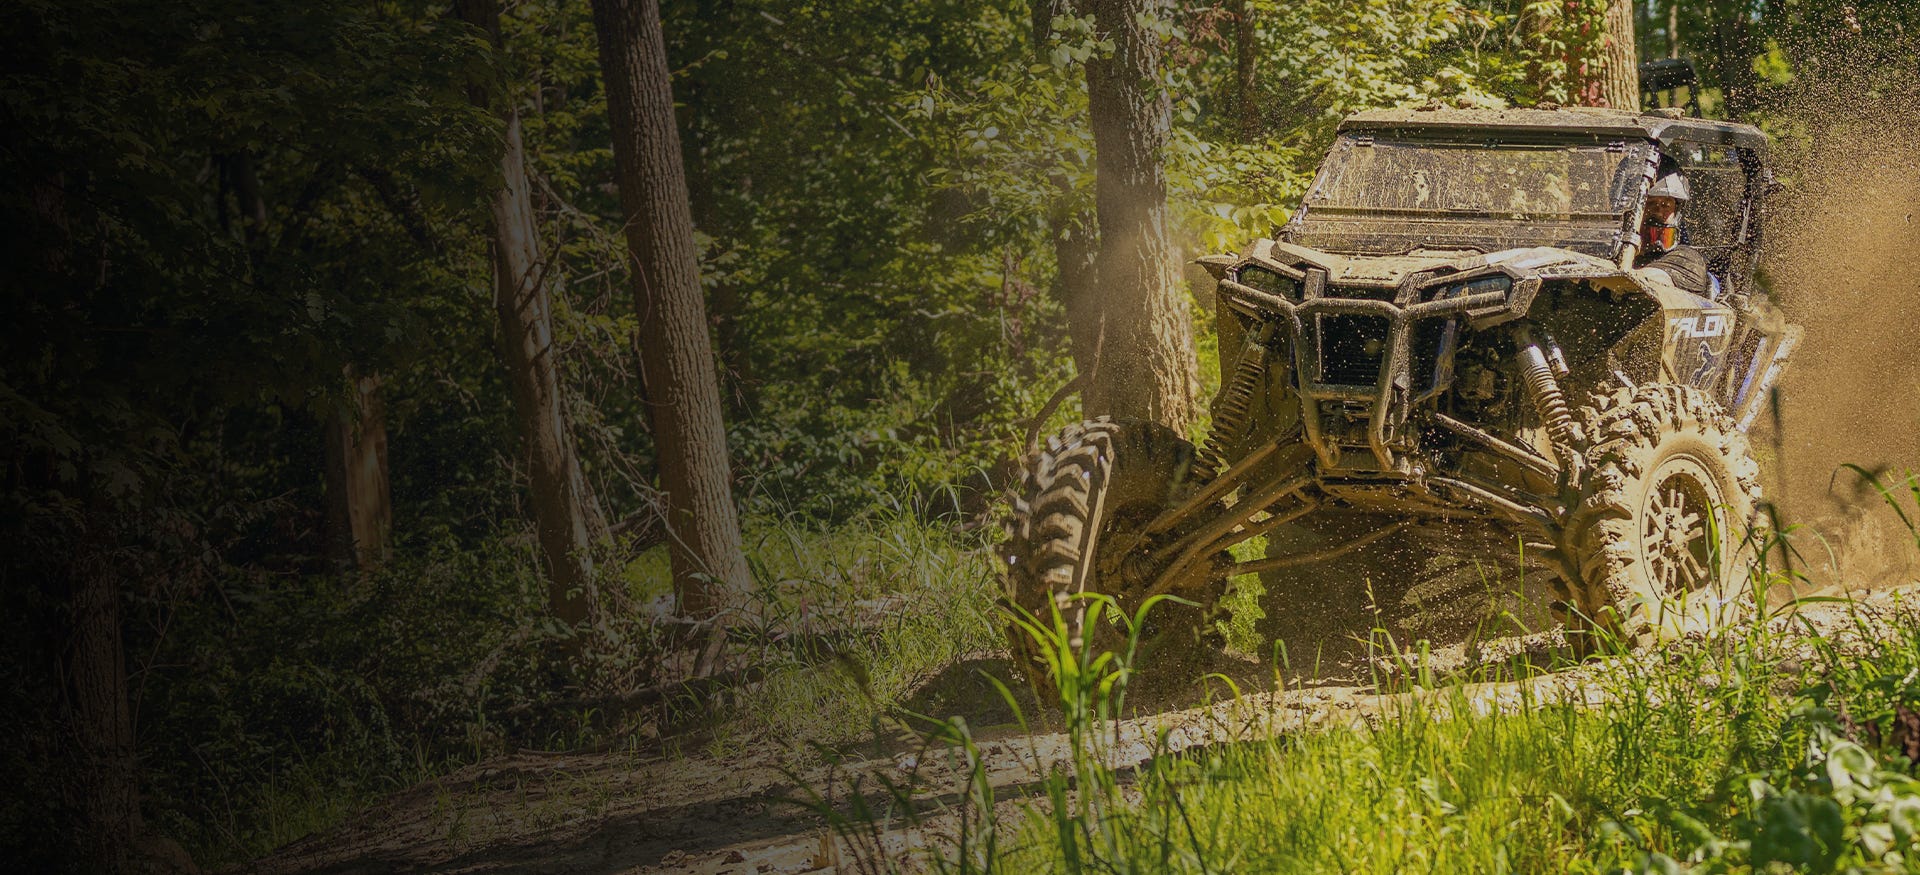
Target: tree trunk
column 1243, row 71
column 1148, row 370
column 564, row 509
column 106, row 786
column 253, row 206
column 1673, row 28
column 359, row 507
column 107, row 789
column 86, row 653
column 1040, row 26
column 1076, row 283
column 1616, row 71
column 676, row 353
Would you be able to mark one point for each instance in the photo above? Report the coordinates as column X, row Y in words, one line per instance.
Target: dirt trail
column 645, row 812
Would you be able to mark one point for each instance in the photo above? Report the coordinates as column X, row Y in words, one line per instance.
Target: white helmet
column 1672, row 185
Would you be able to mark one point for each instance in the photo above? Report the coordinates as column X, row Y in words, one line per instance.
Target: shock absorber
column 1234, row 404
column 1537, row 368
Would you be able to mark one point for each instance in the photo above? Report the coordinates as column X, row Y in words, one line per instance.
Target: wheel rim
column 1677, row 526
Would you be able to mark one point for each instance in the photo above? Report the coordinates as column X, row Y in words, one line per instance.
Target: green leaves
column 1836, row 807
column 1807, row 832
column 1841, row 811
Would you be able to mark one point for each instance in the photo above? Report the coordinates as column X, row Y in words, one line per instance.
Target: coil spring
column 1231, row 409
column 1553, row 405
column 1545, row 390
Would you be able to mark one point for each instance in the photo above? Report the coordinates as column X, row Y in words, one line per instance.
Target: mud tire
column 1649, row 566
column 1079, row 499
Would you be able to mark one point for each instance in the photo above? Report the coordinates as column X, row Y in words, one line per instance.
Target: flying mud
column 1845, row 263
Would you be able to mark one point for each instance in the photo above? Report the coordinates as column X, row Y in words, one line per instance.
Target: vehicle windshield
column 1382, row 195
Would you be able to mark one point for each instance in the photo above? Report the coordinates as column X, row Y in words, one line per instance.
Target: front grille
column 1351, row 347
column 1361, row 294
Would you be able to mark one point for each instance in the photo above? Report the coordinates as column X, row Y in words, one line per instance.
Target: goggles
column 1657, row 238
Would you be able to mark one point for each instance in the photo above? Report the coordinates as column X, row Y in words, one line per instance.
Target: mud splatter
column 1844, row 257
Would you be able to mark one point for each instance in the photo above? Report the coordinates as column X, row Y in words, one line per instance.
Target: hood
column 1527, row 267
column 1382, row 271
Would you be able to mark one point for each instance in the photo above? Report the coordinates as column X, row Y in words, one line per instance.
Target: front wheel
column 1075, row 530
column 1660, row 537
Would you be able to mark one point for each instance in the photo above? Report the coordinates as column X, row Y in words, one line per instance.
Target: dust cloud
column 1844, row 258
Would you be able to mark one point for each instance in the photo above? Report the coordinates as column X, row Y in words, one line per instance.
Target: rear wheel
column 1659, row 539
column 1075, row 529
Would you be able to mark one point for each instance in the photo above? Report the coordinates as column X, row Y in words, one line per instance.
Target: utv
column 1450, row 331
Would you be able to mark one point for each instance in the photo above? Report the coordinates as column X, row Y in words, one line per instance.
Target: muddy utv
column 1450, row 331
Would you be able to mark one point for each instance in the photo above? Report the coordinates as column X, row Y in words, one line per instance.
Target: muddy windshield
column 1381, row 195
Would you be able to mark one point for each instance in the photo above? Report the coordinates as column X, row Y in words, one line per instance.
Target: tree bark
column 1673, row 28
column 107, row 787
column 359, row 505
column 1616, row 70
column 565, row 511
column 1040, row 26
column 1076, row 280
column 85, row 653
column 1246, row 103
column 727, row 305
column 1148, row 370
column 676, row 353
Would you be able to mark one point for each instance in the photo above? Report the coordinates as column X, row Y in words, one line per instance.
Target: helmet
column 1672, row 185
column 1659, row 235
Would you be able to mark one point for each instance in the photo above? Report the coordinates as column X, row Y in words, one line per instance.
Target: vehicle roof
column 1660, row 127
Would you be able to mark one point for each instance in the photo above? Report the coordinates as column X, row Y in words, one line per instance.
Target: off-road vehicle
column 1451, row 331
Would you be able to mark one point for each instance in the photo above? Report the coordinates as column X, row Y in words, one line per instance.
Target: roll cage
column 1725, row 164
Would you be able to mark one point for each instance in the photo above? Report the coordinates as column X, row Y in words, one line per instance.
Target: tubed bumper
column 1354, row 359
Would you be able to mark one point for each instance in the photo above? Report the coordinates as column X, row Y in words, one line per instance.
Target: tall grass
column 1087, row 690
column 1773, row 747
column 845, row 623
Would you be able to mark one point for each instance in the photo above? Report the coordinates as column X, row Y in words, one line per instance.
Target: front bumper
column 1363, row 357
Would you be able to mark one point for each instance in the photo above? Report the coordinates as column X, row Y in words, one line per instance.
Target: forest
column 392, row 387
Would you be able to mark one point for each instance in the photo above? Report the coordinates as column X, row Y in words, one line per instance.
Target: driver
column 1660, row 246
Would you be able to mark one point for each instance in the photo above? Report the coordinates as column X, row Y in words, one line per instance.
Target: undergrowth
column 851, row 621
column 1762, row 749
column 295, row 702
column 1724, row 758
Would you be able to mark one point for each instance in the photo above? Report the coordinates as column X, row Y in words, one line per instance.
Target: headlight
column 1271, row 282
column 1477, row 286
